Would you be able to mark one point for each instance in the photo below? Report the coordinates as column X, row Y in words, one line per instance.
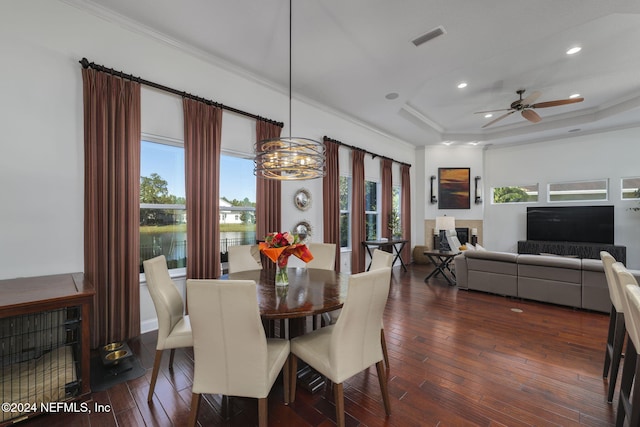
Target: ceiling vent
column 436, row 32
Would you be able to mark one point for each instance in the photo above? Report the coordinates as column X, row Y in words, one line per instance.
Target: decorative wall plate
column 303, row 230
column 302, row 199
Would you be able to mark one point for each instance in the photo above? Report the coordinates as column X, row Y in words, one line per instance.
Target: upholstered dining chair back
column 355, row 339
column 324, row 256
column 607, row 264
column 230, row 346
column 232, row 355
column 174, row 328
column 624, row 278
column 244, row 258
column 633, row 299
column 628, row 402
column 381, row 259
column 166, row 299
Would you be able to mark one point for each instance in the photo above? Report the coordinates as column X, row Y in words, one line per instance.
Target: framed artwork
column 453, row 188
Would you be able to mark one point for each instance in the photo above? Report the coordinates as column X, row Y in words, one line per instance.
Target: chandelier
column 290, row 158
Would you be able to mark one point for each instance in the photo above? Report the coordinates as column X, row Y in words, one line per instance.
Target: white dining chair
column 379, row 259
column 629, row 404
column 352, row 344
column 324, row 256
column 244, row 258
column 232, row 355
column 174, row 327
column 617, row 330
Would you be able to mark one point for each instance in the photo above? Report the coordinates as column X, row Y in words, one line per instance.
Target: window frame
column 577, row 191
column 172, row 142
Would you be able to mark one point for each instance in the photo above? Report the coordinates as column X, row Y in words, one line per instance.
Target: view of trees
column 154, row 190
column 511, row 195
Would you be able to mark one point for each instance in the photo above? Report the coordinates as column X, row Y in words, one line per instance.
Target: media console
column 579, row 250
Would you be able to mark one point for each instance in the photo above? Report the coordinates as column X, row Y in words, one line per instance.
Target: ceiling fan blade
column 529, row 99
column 492, row 111
column 531, row 115
column 499, row 118
column 556, row 103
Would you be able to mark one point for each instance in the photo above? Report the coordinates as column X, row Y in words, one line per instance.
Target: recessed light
column 575, row 95
column 574, row 50
column 447, row 143
column 462, row 85
column 488, row 116
column 473, row 142
column 391, row 95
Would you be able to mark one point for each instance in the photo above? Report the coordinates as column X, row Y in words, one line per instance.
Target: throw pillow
column 479, row 248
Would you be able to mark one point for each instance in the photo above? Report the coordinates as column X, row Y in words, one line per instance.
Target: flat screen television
column 585, row 224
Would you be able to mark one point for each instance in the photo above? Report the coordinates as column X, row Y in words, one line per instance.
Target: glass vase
column 282, row 278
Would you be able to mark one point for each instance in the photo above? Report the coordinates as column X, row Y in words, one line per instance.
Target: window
column 371, row 210
column 345, row 211
column 163, row 222
column 237, row 203
column 578, row 191
column 630, row 188
column 395, row 223
column 515, row 194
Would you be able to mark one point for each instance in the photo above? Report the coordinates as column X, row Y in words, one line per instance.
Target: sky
column 236, row 174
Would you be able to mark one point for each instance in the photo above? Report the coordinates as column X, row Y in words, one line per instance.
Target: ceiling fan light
column 574, row 50
column 462, row 85
column 488, row 116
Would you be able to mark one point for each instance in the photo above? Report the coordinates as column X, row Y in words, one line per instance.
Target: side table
column 442, row 263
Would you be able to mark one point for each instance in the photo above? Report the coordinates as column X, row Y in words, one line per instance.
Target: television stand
column 580, row 250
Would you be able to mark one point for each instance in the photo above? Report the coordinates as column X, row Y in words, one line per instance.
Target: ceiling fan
column 526, row 107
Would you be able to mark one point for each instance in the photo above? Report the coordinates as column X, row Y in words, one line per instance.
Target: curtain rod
column 86, row 64
column 373, row 155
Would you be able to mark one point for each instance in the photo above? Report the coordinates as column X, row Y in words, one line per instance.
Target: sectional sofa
column 572, row 282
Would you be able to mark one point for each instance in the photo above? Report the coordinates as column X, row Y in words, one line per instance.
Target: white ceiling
column 348, row 54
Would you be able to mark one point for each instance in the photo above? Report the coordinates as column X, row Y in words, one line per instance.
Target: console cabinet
column 578, row 250
column 44, row 342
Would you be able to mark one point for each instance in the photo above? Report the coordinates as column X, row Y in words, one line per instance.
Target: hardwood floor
column 458, row 358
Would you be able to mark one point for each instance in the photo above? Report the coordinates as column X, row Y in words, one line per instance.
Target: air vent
column 436, row 32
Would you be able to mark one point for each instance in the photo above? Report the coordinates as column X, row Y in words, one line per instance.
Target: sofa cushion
column 550, row 261
column 492, row 255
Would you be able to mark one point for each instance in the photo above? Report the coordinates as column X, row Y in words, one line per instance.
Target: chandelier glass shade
column 289, row 158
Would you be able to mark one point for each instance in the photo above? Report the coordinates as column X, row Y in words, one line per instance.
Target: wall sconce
column 434, row 200
column 478, row 198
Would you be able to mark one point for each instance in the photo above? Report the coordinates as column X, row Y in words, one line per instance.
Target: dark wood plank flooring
column 458, row 358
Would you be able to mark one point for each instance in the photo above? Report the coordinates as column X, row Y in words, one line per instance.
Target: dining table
column 310, row 292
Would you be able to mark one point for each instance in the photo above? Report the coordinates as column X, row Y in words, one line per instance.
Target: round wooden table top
column 310, row 291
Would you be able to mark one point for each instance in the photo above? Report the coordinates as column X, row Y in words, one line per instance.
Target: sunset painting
column 453, row 188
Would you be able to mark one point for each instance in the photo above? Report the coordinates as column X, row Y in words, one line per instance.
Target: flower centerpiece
column 279, row 247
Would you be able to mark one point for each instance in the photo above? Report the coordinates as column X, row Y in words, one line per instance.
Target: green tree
column 154, row 190
column 509, row 195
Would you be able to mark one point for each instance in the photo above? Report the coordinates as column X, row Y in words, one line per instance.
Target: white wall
column 442, row 156
column 612, row 155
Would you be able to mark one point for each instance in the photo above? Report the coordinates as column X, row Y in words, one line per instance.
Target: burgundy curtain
column 202, row 135
column 386, row 203
column 331, row 198
column 112, row 204
column 268, row 190
column 358, row 232
column 405, row 210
